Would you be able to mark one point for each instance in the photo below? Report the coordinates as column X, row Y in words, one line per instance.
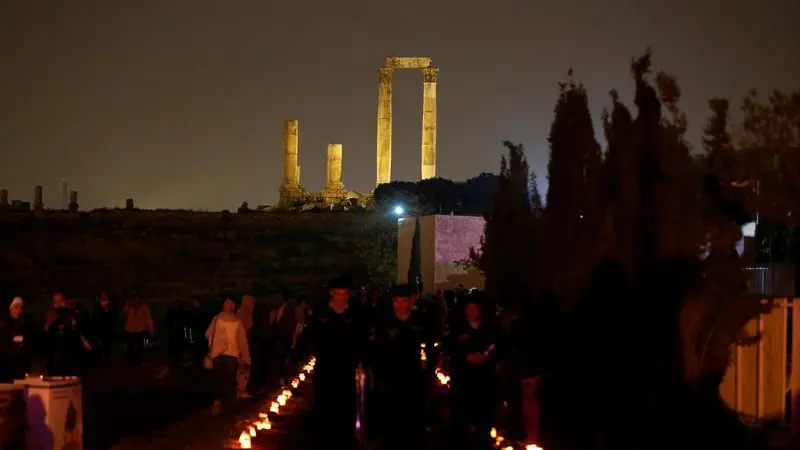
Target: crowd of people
column 69, row 339
column 397, row 339
column 375, row 349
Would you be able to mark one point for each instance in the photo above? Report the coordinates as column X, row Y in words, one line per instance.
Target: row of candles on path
column 263, row 423
column 444, row 380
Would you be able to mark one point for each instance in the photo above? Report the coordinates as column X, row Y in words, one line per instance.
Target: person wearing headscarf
column 15, row 343
column 245, row 315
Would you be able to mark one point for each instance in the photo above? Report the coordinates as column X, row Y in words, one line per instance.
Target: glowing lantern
column 302, row 377
column 281, row 400
column 287, row 393
column 295, row 383
column 493, row 433
column 509, row 448
column 244, row 441
column 252, row 431
column 533, row 447
column 274, row 407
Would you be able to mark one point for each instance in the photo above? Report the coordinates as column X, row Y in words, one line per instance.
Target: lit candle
column 244, row 441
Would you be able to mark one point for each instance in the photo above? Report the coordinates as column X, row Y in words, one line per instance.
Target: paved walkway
column 121, row 401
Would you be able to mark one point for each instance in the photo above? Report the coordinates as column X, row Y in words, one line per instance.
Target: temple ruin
column 384, row 141
column 291, row 190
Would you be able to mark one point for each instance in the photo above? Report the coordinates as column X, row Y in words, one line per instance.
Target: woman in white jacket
column 227, row 350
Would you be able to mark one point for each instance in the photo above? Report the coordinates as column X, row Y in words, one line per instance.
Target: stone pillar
column 290, row 189
column 290, row 148
column 384, row 126
column 4, row 197
column 334, row 166
column 334, row 188
column 430, row 75
column 129, row 205
column 38, row 203
column 73, row 201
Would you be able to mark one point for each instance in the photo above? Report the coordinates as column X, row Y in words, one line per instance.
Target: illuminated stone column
column 334, row 166
column 430, row 75
column 290, row 148
column 384, row 126
column 334, row 188
column 290, row 189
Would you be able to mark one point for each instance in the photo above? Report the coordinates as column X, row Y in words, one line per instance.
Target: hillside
column 181, row 254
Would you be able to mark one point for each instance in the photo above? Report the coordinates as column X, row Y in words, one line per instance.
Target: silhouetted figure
column 398, row 345
column 197, row 319
column 104, row 323
column 138, row 328
column 15, row 343
column 175, row 321
column 64, row 343
column 285, row 321
column 474, row 381
column 337, row 342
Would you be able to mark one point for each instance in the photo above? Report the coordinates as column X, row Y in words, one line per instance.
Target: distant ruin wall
column 174, row 255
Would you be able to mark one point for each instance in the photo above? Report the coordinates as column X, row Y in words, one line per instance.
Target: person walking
column 245, row 315
column 227, row 350
column 337, row 340
column 139, row 327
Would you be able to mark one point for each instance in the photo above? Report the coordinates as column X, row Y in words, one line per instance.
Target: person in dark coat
column 337, row 341
column 399, row 344
column 473, row 365
column 15, row 343
column 285, row 321
column 104, row 323
column 65, row 343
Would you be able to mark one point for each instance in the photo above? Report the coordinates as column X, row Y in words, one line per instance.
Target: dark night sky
column 182, row 106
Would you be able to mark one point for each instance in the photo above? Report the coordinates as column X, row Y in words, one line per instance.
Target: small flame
column 252, row 431
column 533, row 447
column 302, row 377
column 508, row 448
column 281, row 400
column 295, row 383
column 274, row 407
column 244, row 441
column 263, row 415
column 287, row 393
column 493, row 433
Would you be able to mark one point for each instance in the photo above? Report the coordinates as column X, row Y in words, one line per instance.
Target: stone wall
column 171, row 255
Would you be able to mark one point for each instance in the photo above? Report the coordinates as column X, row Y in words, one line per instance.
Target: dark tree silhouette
column 506, row 257
column 574, row 154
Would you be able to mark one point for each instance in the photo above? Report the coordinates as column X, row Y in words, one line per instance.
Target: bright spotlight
column 398, row 210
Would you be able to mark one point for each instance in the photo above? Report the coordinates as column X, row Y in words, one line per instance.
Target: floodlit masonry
column 291, row 189
column 384, row 138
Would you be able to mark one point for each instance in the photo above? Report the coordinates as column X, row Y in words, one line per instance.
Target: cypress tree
column 572, row 173
column 508, row 250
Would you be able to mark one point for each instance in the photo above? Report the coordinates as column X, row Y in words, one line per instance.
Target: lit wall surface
column 445, row 243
